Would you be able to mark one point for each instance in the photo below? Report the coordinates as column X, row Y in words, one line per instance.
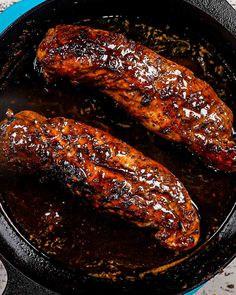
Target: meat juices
column 111, row 175
column 165, row 97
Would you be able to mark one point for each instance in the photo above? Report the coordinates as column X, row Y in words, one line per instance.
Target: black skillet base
column 201, row 265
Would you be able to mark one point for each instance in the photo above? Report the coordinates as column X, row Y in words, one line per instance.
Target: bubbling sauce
column 63, row 226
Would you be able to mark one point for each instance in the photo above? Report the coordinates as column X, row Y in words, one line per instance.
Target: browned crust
column 111, row 175
column 165, row 97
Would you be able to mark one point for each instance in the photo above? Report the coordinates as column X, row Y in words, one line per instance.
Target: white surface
column 6, row 3
column 222, row 284
column 233, row 3
column 3, row 278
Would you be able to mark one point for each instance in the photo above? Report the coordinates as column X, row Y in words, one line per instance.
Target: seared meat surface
column 111, row 175
column 165, row 97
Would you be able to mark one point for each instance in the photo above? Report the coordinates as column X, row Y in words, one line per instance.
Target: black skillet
column 210, row 32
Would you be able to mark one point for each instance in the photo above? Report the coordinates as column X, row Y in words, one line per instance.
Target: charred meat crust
column 111, row 175
column 165, row 97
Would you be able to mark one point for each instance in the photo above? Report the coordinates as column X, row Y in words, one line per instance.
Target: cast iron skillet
column 208, row 259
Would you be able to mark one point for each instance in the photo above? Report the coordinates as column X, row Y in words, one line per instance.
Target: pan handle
column 18, row 283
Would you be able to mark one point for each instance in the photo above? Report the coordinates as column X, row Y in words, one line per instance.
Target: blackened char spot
column 146, row 100
column 213, row 148
column 11, row 119
column 166, row 92
column 166, row 130
column 83, row 33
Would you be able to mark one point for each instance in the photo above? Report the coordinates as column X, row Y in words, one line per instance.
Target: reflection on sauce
column 66, row 228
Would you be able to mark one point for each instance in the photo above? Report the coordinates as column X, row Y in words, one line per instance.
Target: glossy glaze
column 165, row 97
column 110, row 174
column 91, row 241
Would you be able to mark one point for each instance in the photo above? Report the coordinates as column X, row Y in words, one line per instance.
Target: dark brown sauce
column 64, row 227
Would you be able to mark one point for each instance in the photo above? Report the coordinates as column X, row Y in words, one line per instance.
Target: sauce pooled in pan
column 67, row 229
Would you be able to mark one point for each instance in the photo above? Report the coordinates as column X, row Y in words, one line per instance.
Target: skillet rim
column 193, row 3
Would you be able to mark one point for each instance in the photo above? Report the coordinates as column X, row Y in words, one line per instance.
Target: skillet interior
column 100, row 238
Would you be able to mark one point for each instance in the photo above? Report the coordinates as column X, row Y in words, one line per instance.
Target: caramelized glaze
column 165, row 97
column 91, row 241
column 110, row 174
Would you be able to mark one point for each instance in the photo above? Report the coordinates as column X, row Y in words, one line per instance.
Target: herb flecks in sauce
column 63, row 226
